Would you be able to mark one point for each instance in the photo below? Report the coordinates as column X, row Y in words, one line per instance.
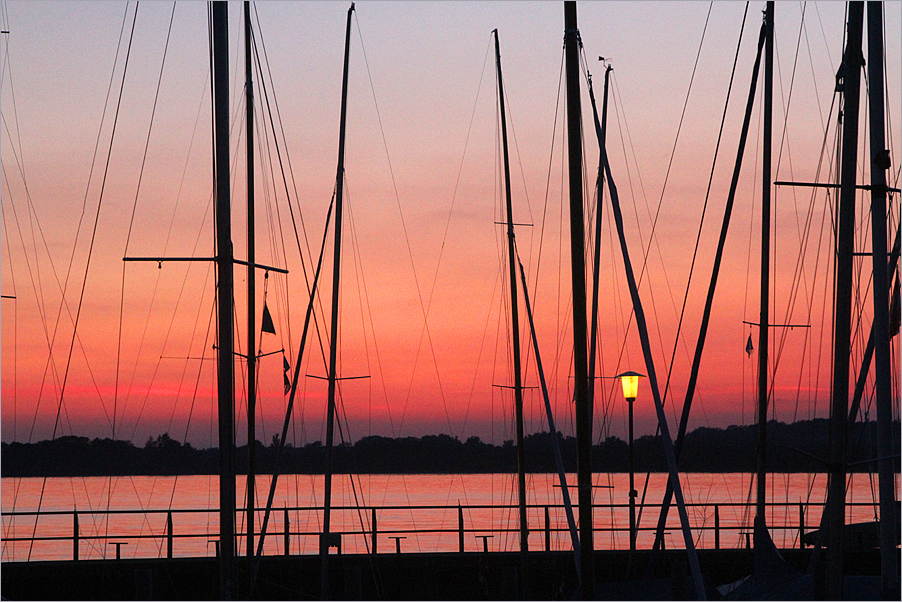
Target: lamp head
column 630, row 382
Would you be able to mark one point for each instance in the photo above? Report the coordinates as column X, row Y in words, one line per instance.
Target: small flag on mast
column 267, row 325
column 285, row 368
column 749, row 347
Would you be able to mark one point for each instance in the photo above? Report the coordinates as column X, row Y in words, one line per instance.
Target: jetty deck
column 414, row 576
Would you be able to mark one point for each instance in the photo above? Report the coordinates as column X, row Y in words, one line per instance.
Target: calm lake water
column 423, row 509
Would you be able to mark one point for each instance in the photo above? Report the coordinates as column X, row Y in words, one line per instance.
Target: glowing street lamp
column 630, row 382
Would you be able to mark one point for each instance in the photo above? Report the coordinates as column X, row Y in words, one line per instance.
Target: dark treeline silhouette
column 796, row 447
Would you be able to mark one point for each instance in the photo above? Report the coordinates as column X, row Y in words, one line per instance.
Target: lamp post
column 630, row 382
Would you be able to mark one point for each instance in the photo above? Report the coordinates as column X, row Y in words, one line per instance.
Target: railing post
column 375, row 531
column 547, row 530
column 397, row 539
column 460, row 527
column 801, row 526
column 169, row 534
column 716, row 527
column 74, row 534
column 287, row 535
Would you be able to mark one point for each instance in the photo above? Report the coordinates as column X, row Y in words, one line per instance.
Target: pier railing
column 97, row 534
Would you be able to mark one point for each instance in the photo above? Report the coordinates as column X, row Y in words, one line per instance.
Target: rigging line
column 131, row 222
column 814, row 78
column 50, row 364
column 447, row 228
column 274, row 224
column 502, row 246
column 207, row 339
column 456, row 188
column 652, row 236
column 805, row 233
column 158, row 361
column 623, row 348
column 618, row 106
column 424, row 308
column 150, row 128
column 278, row 247
column 810, row 302
column 827, row 211
column 200, row 366
column 294, row 220
column 362, row 300
column 751, row 236
column 784, row 137
column 548, row 186
column 482, row 345
column 87, row 264
column 673, row 149
column 823, row 38
column 94, row 157
column 51, row 361
column 177, row 304
column 186, row 364
column 7, row 65
column 560, row 346
column 513, row 133
column 887, row 110
column 292, row 394
column 659, row 407
column 196, row 245
column 17, row 484
column 612, row 244
column 275, row 229
column 703, row 330
column 798, row 279
column 166, row 244
column 698, row 237
column 96, row 222
column 363, row 297
column 32, row 214
column 273, row 118
column 574, row 537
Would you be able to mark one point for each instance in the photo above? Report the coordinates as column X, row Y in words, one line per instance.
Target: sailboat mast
column 515, row 316
column 882, row 362
column 596, row 274
column 225, row 293
column 763, row 328
column 578, row 272
column 333, row 336
column 845, row 239
column 596, row 265
column 251, row 287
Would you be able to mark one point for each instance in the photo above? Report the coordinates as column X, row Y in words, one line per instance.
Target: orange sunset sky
column 103, row 161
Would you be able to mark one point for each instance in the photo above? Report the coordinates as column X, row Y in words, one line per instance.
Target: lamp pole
column 630, row 382
column 630, row 401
